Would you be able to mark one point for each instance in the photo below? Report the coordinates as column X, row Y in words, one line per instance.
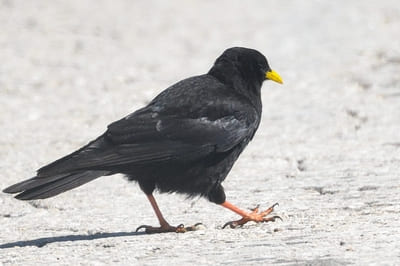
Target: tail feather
column 32, row 183
column 70, row 163
column 41, row 188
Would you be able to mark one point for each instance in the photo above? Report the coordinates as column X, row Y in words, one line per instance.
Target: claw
column 255, row 216
column 167, row 228
column 180, row 229
column 162, row 229
column 232, row 224
column 272, row 219
column 194, row 227
column 255, row 208
column 226, row 224
column 141, row 227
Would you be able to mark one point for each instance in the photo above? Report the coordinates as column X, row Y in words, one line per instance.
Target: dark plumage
column 185, row 140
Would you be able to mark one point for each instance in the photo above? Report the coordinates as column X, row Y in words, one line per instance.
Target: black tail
column 45, row 187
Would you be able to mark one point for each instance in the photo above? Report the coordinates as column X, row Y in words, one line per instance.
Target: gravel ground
column 328, row 148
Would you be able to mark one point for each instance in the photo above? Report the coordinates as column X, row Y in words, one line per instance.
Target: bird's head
column 245, row 64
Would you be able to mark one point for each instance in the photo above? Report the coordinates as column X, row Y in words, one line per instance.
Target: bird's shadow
column 40, row 242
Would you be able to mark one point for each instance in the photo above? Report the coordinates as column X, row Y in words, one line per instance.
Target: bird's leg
column 165, row 227
column 254, row 216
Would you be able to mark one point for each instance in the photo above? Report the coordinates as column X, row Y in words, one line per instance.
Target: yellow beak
column 272, row 75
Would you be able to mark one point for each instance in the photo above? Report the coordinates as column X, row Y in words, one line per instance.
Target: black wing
column 164, row 132
column 146, row 139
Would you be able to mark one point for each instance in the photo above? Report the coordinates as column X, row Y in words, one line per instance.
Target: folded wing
column 148, row 138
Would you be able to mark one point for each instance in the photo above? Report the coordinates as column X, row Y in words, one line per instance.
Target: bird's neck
column 231, row 77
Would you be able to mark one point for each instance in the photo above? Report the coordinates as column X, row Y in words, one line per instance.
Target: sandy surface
column 328, row 148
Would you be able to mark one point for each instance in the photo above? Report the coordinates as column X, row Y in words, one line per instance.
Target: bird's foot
column 254, row 216
column 166, row 228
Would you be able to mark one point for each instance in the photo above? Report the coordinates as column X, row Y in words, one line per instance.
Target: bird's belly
column 191, row 178
column 199, row 178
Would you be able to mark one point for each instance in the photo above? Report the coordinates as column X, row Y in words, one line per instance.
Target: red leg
column 255, row 215
column 164, row 225
column 160, row 217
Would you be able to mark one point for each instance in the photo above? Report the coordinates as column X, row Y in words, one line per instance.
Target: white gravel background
column 328, row 148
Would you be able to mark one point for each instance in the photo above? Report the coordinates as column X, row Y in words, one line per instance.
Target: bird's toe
column 255, row 216
column 168, row 228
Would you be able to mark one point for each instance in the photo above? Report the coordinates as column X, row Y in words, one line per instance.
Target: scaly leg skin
column 254, row 216
column 164, row 225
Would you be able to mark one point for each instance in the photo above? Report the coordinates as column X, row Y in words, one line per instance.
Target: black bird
column 185, row 140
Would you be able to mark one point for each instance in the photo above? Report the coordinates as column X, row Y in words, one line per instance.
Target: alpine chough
column 185, row 140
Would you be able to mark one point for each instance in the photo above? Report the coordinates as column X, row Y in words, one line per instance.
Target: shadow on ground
column 40, row 242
